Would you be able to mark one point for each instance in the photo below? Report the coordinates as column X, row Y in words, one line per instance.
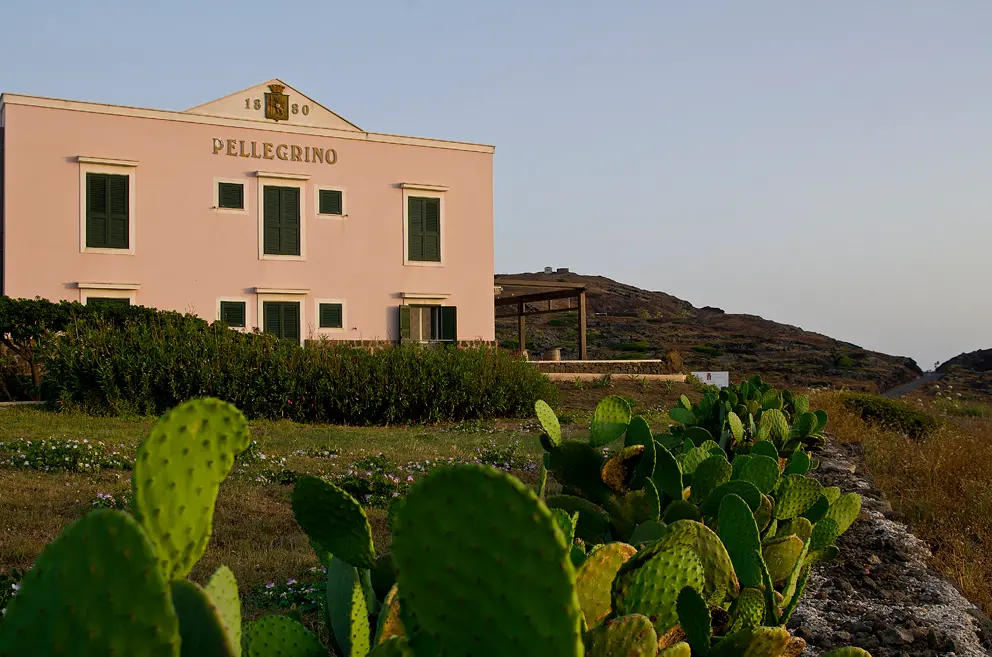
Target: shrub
column 891, row 414
column 146, row 365
column 708, row 350
column 639, row 345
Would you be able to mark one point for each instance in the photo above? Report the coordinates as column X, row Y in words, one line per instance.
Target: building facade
column 263, row 208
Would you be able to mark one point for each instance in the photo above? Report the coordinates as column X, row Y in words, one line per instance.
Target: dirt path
column 907, row 388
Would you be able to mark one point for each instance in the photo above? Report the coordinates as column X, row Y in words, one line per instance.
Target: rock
column 894, row 636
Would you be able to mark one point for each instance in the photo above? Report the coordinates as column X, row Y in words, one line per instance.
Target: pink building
column 263, row 208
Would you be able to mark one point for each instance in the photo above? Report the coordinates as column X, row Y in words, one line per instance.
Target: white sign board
column 718, row 379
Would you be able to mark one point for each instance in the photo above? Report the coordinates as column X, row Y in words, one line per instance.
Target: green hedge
column 891, row 414
column 146, row 364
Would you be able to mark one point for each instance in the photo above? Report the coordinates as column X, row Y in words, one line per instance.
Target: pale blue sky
column 822, row 164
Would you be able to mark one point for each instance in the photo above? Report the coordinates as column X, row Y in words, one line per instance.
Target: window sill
column 106, row 251
column 230, row 210
column 423, row 263
column 289, row 258
column 333, row 217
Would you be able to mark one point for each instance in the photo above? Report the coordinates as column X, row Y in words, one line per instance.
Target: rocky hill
column 970, row 374
column 626, row 322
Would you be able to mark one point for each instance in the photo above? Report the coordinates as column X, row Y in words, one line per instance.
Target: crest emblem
column 277, row 103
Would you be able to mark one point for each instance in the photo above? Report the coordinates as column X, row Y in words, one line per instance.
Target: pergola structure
column 518, row 293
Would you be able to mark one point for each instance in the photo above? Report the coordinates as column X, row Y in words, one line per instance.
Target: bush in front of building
column 145, row 365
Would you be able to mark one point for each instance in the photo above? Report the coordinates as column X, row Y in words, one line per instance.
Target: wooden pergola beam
column 537, row 296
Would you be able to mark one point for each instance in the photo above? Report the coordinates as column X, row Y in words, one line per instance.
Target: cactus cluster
column 654, row 551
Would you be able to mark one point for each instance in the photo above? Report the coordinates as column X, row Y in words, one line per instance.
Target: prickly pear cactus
column 335, row 520
column 743, row 489
column 845, row 511
column 346, row 608
column 390, row 624
column 796, row 493
column 549, row 421
column 283, row 636
column 223, row 592
column 847, row 652
column 781, row 556
column 739, row 534
column 680, row 649
column 710, row 474
column 577, row 466
column 202, row 630
column 630, row 636
column 609, row 420
column 595, row 577
column 694, row 617
column 177, row 472
column 755, row 642
column 667, row 473
column 397, row 646
column 94, row 591
column 471, row 546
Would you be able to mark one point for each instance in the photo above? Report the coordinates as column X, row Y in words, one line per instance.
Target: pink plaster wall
column 359, row 259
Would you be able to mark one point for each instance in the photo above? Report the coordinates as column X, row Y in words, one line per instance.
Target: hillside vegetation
column 626, row 322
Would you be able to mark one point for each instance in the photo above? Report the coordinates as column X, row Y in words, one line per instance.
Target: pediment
column 274, row 102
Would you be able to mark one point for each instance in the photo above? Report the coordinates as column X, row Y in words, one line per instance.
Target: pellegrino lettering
column 269, row 151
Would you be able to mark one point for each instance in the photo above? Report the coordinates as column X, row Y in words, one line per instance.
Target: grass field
column 942, row 484
column 254, row 530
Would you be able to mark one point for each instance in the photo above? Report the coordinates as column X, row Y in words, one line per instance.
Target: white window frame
column 108, row 291
column 317, row 189
column 269, row 179
column 127, row 168
column 273, row 294
column 316, row 329
column 426, row 191
column 237, row 181
column 244, row 300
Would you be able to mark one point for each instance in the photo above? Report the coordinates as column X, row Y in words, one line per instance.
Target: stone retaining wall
column 604, row 367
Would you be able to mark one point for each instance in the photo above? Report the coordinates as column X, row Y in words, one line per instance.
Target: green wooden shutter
column 107, row 301
column 330, row 201
column 271, row 217
column 290, row 206
column 415, row 231
column 330, row 315
column 291, row 322
column 449, row 324
column 404, row 322
column 273, row 318
column 231, row 196
column 117, row 237
column 232, row 313
column 96, row 210
column 432, row 229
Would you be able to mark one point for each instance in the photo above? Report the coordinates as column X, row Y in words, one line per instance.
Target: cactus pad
column 593, row 523
column 565, row 523
column 763, row 515
column 774, row 426
column 619, row 470
column 95, row 590
column 796, row 493
column 781, row 556
column 801, row 527
column 748, row 610
column 694, row 617
column 682, row 415
column 594, row 579
column 202, row 630
column 824, row 534
column 698, row 435
column 695, row 456
column 832, row 493
column 576, row 466
column 396, row 646
column 630, row 636
column 630, row 510
column 743, row 489
column 283, row 636
column 177, row 472
column 739, row 534
column 639, row 433
column 389, row 622
column 609, row 420
column 821, row 419
column 756, row 642
column 805, row 424
column 847, row 651
column 818, row 511
column 845, row 511
column 680, row 649
column 762, row 471
column 471, row 546
column 648, row 531
column 223, row 591
column 652, row 587
column 334, row 519
column 667, row 473
column 549, row 421
column 710, row 474
column 681, row 510
column 800, row 404
column 736, row 426
column 765, row 448
column 800, row 463
column 347, row 610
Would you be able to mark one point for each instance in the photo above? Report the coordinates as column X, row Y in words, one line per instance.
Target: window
column 330, row 202
column 282, row 318
column 281, row 221
column 428, row 324
column 331, row 315
column 232, row 313
column 230, row 196
column 424, row 229
column 107, row 210
column 108, row 301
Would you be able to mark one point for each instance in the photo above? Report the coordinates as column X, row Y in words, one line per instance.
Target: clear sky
column 827, row 164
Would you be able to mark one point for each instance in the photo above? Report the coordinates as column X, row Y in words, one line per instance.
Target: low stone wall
column 385, row 344
column 604, row 366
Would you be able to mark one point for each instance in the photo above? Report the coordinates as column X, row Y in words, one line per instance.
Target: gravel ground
column 881, row 594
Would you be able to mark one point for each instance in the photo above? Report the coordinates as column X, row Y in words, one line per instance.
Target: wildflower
column 409, row 478
column 270, row 585
column 290, row 581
